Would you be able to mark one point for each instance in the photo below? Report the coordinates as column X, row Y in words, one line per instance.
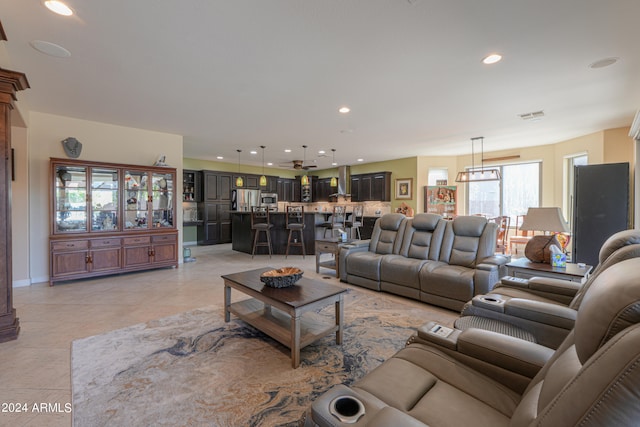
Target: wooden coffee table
column 278, row 312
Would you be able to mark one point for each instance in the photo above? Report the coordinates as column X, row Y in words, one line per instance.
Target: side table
column 525, row 269
column 329, row 246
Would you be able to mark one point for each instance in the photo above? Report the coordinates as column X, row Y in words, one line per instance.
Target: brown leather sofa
column 538, row 306
column 427, row 258
column 479, row 378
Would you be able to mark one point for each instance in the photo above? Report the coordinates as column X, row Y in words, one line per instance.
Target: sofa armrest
column 501, row 351
column 349, row 248
column 435, row 333
column 498, row 260
column 547, row 285
column 357, row 244
column 513, row 354
column 560, row 287
column 488, row 272
column 541, row 312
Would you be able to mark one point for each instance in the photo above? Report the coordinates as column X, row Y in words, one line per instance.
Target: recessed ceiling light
column 361, row 160
column 603, row 63
column 253, row 152
column 287, row 150
column 269, row 164
column 334, row 164
column 50, row 49
column 344, row 110
column 219, row 157
column 492, row 59
column 58, row 7
column 321, row 152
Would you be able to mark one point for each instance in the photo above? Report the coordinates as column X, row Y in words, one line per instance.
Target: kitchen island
column 242, row 236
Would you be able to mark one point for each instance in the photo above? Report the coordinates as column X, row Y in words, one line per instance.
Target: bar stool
column 355, row 221
column 260, row 222
column 295, row 222
column 337, row 219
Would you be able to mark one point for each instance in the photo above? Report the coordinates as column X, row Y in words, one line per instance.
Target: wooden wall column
column 10, row 83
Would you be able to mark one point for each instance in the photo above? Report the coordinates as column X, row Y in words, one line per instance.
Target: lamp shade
column 545, row 219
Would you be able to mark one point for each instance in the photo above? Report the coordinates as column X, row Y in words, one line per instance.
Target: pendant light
column 334, row 180
column 263, row 178
column 239, row 180
column 482, row 174
column 305, row 179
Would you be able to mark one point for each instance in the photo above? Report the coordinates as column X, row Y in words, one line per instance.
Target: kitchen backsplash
column 370, row 208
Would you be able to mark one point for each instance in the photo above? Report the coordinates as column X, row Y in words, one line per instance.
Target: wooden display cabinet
column 441, row 200
column 110, row 218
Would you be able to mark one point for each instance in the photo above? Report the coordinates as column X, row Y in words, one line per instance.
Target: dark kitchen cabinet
column 216, row 186
column 371, row 187
column 381, row 186
column 216, row 227
column 368, row 222
column 323, row 190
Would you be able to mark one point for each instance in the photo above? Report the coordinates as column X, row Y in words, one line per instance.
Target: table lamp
column 548, row 220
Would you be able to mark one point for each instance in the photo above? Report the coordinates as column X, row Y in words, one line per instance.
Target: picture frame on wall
column 404, row 188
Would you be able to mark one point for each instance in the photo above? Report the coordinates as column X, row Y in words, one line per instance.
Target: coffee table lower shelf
column 278, row 325
column 288, row 315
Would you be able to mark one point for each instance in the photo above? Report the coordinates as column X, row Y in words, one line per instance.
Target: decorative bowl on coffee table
column 281, row 277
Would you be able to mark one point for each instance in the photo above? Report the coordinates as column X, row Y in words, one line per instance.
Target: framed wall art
column 404, row 188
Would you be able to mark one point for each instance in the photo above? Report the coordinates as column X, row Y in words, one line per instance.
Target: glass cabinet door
column 104, row 199
column 70, row 199
column 136, row 203
column 162, row 196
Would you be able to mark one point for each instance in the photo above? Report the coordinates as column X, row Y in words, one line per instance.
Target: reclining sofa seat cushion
column 421, row 244
column 592, row 379
column 467, row 241
column 363, row 267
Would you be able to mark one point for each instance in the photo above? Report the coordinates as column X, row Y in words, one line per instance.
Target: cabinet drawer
column 70, row 245
column 142, row 240
column 103, row 243
column 326, row 247
column 163, row 239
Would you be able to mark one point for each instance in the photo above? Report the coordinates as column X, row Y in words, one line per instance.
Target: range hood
column 344, row 176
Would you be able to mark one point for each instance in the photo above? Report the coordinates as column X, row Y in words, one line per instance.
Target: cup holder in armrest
column 491, row 302
column 347, row 409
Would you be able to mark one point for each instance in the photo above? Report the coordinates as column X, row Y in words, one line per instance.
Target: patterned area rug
column 194, row 369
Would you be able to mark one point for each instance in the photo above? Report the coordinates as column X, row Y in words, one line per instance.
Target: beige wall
column 20, row 207
column 100, row 142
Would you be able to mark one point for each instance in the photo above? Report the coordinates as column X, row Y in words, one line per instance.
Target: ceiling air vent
column 536, row 115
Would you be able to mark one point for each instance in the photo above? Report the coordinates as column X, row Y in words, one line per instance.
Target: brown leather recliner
column 592, row 379
column 546, row 318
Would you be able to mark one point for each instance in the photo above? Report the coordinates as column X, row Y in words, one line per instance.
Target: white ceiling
column 237, row 74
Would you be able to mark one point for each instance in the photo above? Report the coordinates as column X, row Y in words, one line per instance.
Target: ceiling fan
column 301, row 164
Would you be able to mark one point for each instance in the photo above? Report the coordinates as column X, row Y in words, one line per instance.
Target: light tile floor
column 36, row 368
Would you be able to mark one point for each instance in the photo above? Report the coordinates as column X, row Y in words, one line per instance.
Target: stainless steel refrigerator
column 243, row 200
